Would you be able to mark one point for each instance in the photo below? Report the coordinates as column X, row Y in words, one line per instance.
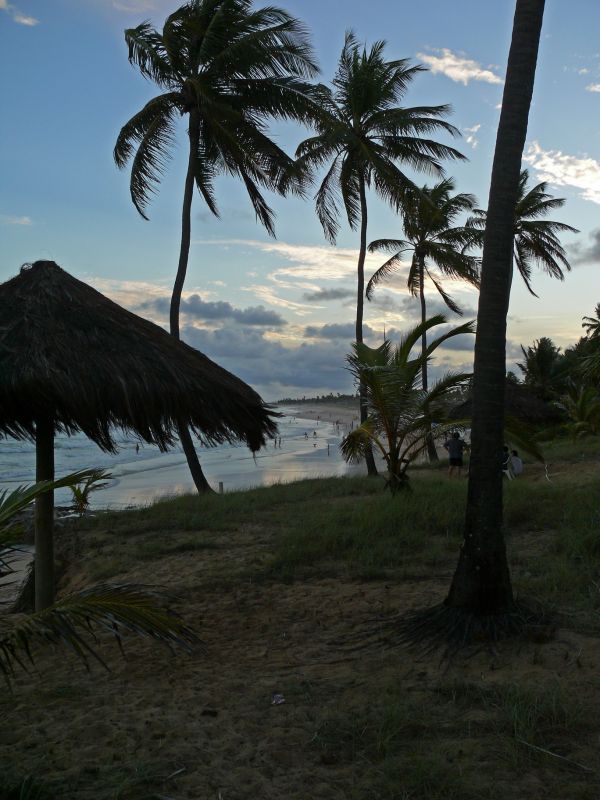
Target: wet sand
column 326, row 412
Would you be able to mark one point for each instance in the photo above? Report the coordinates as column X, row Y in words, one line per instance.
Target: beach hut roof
column 70, row 354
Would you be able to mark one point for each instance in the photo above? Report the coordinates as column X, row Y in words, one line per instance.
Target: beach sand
column 325, row 412
column 206, row 726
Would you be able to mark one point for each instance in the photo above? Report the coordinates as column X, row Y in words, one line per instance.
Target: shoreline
column 344, row 415
column 141, row 477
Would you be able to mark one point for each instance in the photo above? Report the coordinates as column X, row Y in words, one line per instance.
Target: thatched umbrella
column 72, row 360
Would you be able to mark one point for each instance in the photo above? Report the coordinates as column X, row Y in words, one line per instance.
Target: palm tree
column 480, row 600
column 364, row 139
column 400, row 407
column 542, row 369
column 582, row 406
column 429, row 215
column 481, row 592
column 228, row 68
column 591, row 325
column 535, row 240
column 74, row 620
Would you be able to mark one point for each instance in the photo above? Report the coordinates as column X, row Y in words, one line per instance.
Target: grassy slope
column 287, row 586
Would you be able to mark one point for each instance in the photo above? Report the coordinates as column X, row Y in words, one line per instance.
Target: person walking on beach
column 455, row 447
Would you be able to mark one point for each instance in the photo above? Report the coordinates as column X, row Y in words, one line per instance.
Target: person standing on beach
column 455, row 447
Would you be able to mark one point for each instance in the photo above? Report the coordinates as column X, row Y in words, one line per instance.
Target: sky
column 280, row 312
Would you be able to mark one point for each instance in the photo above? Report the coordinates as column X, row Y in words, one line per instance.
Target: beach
column 326, row 412
column 307, row 446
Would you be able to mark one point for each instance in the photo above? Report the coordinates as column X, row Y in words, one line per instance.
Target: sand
column 323, row 412
column 204, row 727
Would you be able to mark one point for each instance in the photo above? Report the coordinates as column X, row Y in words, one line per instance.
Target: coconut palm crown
column 364, row 135
column 365, row 139
column 429, row 215
column 536, row 240
column 229, row 68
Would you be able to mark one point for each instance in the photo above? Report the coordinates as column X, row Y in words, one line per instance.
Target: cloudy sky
column 279, row 312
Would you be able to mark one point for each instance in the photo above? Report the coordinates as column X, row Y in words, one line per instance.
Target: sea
column 141, row 475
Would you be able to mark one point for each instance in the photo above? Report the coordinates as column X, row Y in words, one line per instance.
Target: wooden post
column 44, row 515
column 220, row 487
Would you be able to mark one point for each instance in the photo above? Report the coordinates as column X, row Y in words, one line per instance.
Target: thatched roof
column 521, row 403
column 68, row 352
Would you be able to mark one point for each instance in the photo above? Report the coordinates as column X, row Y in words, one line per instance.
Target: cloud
column 8, row 219
column 312, row 262
column 268, row 294
column 463, row 342
column 16, row 16
column 323, row 295
column 336, row 330
column 561, row 169
column 129, row 294
column 134, row 6
column 271, row 367
column 586, row 255
column 583, row 71
column 470, row 138
column 593, row 87
column 458, row 68
column 194, row 307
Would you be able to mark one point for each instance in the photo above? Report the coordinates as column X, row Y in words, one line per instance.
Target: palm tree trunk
column 431, row 449
column 185, row 438
column 481, row 583
column 360, row 301
column 44, row 515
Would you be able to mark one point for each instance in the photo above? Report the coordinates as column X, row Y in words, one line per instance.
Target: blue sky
column 254, row 304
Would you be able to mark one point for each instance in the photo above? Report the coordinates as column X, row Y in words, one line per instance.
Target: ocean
column 308, row 449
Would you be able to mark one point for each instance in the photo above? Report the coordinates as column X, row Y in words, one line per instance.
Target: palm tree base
column 448, row 630
column 200, row 482
column 371, row 466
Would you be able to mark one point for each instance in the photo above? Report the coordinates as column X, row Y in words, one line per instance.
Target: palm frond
column 147, row 52
column 459, row 330
column 383, row 273
column 12, row 502
column 355, row 444
column 520, row 435
column 445, row 296
column 151, row 158
column 75, row 620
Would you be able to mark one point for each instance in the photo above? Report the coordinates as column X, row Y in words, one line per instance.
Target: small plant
column 582, row 405
column 96, row 479
column 118, row 609
column 400, row 411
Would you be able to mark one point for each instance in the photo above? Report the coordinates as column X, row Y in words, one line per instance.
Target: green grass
column 393, row 742
column 368, row 535
column 566, row 448
column 523, row 718
column 352, row 527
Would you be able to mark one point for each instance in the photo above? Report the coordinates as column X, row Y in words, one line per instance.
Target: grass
column 394, row 744
column 275, row 575
column 351, row 527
